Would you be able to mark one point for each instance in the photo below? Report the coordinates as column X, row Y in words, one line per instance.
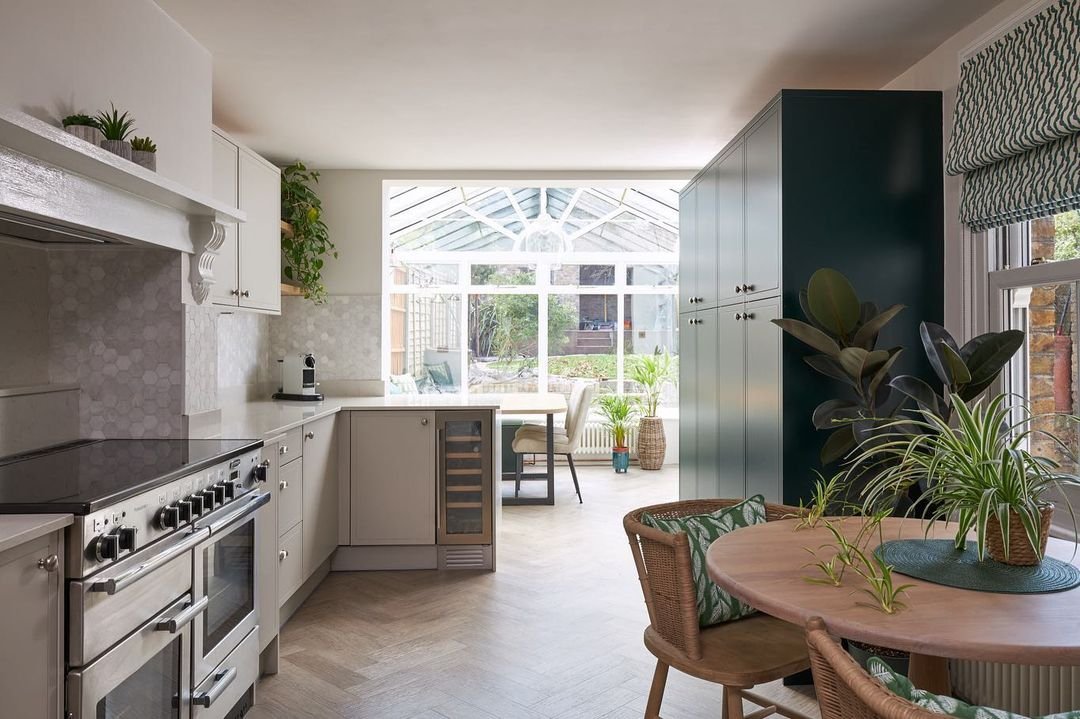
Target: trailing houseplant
column 305, row 240
column 651, row 372
column 116, row 127
column 618, row 411
column 144, row 152
column 83, row 127
column 977, row 472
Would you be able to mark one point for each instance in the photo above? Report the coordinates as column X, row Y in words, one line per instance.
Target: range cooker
column 160, row 567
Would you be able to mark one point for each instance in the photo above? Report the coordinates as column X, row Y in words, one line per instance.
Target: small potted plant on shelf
column 651, row 372
column 305, row 240
column 618, row 411
column 977, row 471
column 83, row 127
column 116, row 126
column 144, row 153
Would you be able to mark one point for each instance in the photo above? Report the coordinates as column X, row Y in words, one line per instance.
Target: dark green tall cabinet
column 819, row 178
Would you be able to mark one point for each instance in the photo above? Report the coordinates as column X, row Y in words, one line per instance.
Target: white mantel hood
column 59, row 190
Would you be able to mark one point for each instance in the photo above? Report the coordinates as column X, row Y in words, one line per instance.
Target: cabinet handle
column 234, row 293
column 49, row 563
column 283, row 555
column 738, row 316
column 747, row 288
column 693, row 300
column 245, row 293
column 748, row 316
column 738, row 289
column 283, row 485
column 283, row 449
column 310, row 435
column 423, row 421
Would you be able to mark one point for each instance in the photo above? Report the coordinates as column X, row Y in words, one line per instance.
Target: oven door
column 148, row 675
column 225, row 578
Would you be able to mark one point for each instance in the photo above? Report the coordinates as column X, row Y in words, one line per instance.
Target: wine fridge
column 465, row 475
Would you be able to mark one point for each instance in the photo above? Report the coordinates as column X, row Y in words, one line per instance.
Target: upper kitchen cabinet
column 697, row 239
column 248, row 266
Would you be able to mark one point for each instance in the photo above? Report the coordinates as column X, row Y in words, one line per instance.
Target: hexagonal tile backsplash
column 116, row 328
column 344, row 335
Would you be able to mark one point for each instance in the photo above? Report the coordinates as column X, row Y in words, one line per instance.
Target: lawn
column 591, row 366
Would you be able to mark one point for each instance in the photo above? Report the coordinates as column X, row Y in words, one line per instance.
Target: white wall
column 62, row 56
column 940, row 70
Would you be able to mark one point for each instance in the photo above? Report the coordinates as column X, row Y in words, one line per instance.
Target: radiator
column 1027, row 690
column 597, row 440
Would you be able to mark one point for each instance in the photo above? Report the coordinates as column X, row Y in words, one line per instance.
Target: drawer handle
column 283, row 449
column 310, row 435
column 175, row 624
column 49, row 563
column 423, row 421
column 283, row 555
column 222, row 680
column 283, row 485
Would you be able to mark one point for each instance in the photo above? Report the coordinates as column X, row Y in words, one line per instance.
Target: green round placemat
column 938, row 561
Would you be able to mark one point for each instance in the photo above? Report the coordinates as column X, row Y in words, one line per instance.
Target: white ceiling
column 543, row 85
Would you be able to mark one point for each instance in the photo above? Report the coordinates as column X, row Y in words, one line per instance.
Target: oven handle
column 222, row 680
column 183, row 618
column 252, row 503
column 119, row 582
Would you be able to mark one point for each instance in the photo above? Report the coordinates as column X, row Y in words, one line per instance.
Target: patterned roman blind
column 1016, row 131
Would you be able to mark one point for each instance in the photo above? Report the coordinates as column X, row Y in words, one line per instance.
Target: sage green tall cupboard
column 819, row 178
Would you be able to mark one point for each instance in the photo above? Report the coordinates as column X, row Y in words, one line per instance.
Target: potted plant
column 618, row 410
column 305, row 241
column 116, row 126
column 977, row 471
column 144, row 152
column 651, row 372
column 83, row 127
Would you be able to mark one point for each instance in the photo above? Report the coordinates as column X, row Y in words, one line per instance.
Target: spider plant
column 833, row 569
column 978, row 469
column 822, row 498
column 879, row 576
column 115, row 125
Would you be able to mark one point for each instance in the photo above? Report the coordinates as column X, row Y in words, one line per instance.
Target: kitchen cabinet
column 31, row 624
column 393, row 478
column 845, row 179
column 247, row 269
column 266, row 567
column 688, row 200
column 319, row 492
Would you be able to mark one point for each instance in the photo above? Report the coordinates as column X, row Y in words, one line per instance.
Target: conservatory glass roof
column 533, row 219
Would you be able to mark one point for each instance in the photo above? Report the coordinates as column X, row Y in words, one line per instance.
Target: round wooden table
column 765, row 566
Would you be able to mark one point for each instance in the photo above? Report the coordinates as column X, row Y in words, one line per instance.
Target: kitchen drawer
column 231, row 683
column 290, row 496
column 292, row 447
column 290, row 562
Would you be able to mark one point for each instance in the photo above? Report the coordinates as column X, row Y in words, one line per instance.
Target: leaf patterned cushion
column 902, row 687
column 714, row 605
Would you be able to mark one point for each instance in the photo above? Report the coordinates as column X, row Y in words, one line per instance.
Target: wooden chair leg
column 732, row 703
column 573, row 473
column 656, row 693
column 518, row 469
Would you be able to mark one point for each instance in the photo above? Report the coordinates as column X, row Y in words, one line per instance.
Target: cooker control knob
column 127, row 537
column 219, row 493
column 185, row 510
column 197, row 506
column 260, row 470
column 207, row 498
column 230, row 490
column 168, row 517
column 107, row 546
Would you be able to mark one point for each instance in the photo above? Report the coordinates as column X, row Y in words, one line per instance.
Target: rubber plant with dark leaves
column 844, row 331
column 305, row 251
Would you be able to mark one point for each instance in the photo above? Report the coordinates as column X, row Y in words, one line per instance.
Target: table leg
column 930, row 673
column 551, row 458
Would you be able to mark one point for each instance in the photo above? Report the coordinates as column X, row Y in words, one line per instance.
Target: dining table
column 547, row 404
column 768, row 567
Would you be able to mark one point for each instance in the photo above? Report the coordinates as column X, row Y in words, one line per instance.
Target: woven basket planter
column 1021, row 553
column 651, row 444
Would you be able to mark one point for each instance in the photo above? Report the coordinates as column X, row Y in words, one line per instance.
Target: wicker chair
column 737, row 655
column 845, row 690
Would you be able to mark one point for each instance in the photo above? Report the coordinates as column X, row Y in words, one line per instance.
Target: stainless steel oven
column 224, row 578
column 147, row 675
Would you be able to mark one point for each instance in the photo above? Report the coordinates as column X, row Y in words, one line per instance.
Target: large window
column 527, row 289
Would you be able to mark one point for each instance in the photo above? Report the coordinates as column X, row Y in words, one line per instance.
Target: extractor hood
column 56, row 189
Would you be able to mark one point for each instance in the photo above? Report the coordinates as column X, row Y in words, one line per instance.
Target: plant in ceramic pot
column 83, row 127
column 651, row 372
column 305, row 240
column 144, row 152
column 618, row 411
column 977, row 472
column 116, row 127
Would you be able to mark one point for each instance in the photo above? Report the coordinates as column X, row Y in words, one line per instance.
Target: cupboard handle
column 283, row 449
column 283, row 555
column 310, row 435
column 738, row 289
column 748, row 316
column 245, row 293
column 423, row 421
column 49, row 563
column 283, row 485
column 235, row 293
column 738, row 316
column 747, row 288
column 693, row 300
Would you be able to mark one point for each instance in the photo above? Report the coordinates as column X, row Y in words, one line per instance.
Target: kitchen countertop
column 16, row 529
column 267, row 418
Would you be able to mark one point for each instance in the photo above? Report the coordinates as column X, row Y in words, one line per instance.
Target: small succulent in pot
column 83, row 127
column 116, row 126
column 144, row 152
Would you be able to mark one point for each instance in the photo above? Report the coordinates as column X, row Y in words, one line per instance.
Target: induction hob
column 84, row 476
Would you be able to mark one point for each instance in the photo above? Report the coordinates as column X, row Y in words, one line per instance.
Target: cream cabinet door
column 393, row 477
column 260, row 236
column 320, row 492
column 226, row 188
column 266, row 567
column 31, row 628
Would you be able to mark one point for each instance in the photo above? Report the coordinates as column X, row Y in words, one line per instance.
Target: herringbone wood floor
column 554, row 633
